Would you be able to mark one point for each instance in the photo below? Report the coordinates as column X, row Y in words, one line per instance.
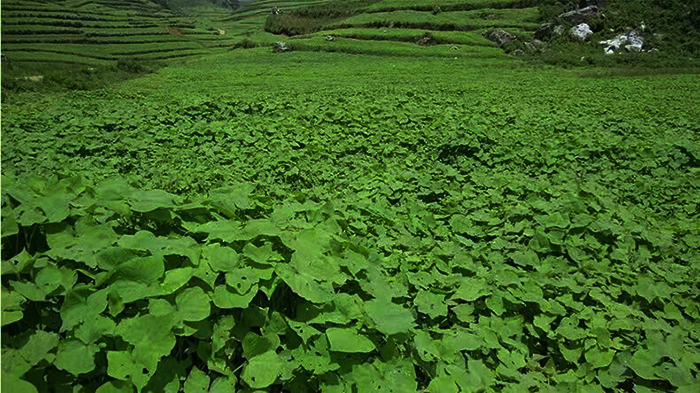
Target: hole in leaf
column 144, row 371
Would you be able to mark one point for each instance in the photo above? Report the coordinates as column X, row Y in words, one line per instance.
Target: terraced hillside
column 102, row 32
column 415, row 28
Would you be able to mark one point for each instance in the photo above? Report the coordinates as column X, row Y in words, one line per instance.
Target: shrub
column 131, row 65
column 291, row 24
column 245, row 44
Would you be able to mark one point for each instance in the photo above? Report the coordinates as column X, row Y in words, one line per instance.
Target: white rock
column 631, row 41
column 581, row 32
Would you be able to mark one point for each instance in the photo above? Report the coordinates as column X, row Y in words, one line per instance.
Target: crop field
column 107, row 31
column 362, row 215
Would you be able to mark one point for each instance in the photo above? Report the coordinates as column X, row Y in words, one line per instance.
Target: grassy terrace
column 459, row 20
column 101, row 32
column 445, row 5
column 394, row 48
column 411, row 35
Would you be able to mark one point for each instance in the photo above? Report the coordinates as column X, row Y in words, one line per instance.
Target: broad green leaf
column 151, row 337
column 598, row 357
column 12, row 383
column 160, row 307
column 255, row 228
column 643, row 363
column 197, row 381
column 443, row 384
column 259, row 254
column 472, row 289
column 543, row 322
column 431, row 304
column 38, row 347
column 56, row 208
column 223, row 385
column 116, row 386
column 229, row 199
column 495, row 304
column 9, row 224
column 94, row 328
column 175, row 279
column 385, row 377
column 242, row 279
column 146, row 201
column 226, row 297
column 121, row 365
column 109, row 258
column 557, row 220
column 602, row 337
column 426, row 346
column 306, row 332
column 144, row 270
column 348, row 340
column 81, row 304
column 571, row 352
column 76, row 357
column 262, row 370
column 525, row 258
column 29, row 290
column 389, row 317
column 193, row 304
column 226, row 230
column 460, row 223
column 304, row 285
column 220, row 258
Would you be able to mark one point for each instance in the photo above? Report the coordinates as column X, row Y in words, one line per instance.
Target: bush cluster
column 290, row 25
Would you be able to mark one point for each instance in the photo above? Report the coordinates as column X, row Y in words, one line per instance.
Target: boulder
column 427, row 39
column 583, row 15
column 635, row 41
column 499, row 36
column 280, row 47
column 631, row 41
column 545, row 31
column 558, row 30
column 534, row 46
column 581, row 32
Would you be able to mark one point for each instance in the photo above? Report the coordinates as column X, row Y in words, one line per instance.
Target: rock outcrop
column 631, row 41
column 581, row 32
column 500, row 36
column 576, row 17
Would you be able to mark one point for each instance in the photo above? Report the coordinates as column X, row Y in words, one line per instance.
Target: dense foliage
column 675, row 22
column 355, row 241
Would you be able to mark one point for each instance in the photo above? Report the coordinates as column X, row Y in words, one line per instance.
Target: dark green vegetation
column 441, row 218
column 669, row 26
column 436, row 232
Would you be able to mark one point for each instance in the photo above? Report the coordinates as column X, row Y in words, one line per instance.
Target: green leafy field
column 348, row 223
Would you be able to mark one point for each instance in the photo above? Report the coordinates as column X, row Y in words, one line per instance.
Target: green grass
column 445, row 5
column 459, row 20
column 390, row 48
column 410, row 35
column 52, row 57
